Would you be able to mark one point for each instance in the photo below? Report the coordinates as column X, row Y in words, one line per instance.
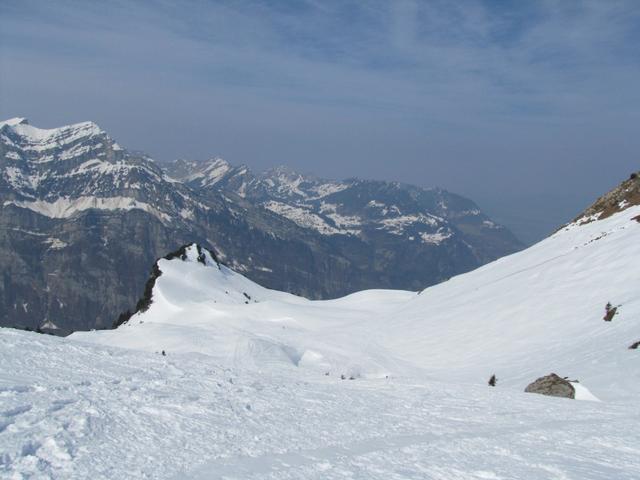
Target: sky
column 529, row 108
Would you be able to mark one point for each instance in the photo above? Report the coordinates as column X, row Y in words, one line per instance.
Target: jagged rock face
column 552, row 385
column 82, row 221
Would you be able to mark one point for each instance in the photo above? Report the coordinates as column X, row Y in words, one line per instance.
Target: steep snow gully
column 259, row 384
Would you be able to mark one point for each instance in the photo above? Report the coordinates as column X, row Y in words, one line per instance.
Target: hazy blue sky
column 531, row 108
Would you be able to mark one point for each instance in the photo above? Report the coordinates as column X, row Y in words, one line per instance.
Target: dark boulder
column 609, row 312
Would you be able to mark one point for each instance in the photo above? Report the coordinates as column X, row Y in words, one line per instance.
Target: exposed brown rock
column 552, row 385
column 610, row 312
column 620, row 198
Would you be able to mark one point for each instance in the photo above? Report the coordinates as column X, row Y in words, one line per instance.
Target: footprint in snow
column 30, row 448
column 14, row 389
column 16, row 411
column 60, row 404
column 8, row 417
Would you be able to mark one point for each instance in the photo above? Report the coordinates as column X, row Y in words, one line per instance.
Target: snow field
column 76, row 410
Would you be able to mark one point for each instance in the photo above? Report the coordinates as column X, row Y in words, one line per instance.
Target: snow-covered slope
column 207, row 308
column 255, row 383
column 522, row 316
column 537, row 311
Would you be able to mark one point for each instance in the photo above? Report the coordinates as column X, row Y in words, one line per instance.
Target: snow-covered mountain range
column 83, row 220
column 373, row 211
column 216, row 376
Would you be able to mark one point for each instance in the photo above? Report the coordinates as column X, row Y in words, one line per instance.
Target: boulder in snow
column 553, row 386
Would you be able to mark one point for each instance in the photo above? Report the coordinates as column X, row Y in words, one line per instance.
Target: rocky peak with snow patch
column 195, row 253
column 625, row 195
column 62, row 171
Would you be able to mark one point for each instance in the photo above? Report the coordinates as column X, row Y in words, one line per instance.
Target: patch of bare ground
column 625, row 195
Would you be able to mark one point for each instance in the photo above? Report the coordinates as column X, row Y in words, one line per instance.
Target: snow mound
column 583, row 393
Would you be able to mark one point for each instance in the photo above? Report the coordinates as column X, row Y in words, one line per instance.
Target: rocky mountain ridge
column 82, row 220
column 373, row 211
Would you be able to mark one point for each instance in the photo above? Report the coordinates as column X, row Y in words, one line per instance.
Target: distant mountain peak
column 369, row 209
column 14, row 121
column 204, row 173
column 34, row 139
column 282, row 170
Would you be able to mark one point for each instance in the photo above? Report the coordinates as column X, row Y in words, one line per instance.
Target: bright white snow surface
column 254, row 391
column 65, row 207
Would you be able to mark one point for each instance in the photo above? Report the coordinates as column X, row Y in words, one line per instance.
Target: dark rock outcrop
column 552, row 385
column 609, row 312
column 147, row 296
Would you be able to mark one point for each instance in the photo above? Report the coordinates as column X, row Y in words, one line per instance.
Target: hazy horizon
column 529, row 109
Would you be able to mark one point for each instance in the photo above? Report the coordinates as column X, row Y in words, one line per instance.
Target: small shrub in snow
column 492, row 381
